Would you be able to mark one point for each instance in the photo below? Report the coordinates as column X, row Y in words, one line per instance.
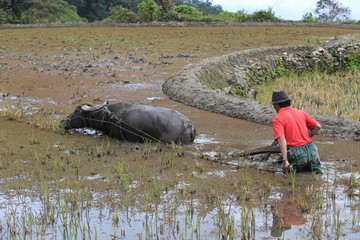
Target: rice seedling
column 99, row 151
column 33, row 139
column 355, row 220
column 334, row 186
column 247, row 223
column 292, row 181
column 169, row 159
column 337, row 224
column 352, row 184
column 53, row 125
column 155, row 187
column 317, row 225
column 72, row 197
column 225, row 222
column 177, row 149
column 13, row 113
column 122, row 176
column 115, row 219
column 304, row 205
column 108, row 147
column 57, row 166
column 82, row 192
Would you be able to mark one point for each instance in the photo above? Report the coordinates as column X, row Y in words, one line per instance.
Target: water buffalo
column 133, row 121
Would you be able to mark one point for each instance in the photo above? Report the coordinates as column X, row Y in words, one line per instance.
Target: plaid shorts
column 305, row 157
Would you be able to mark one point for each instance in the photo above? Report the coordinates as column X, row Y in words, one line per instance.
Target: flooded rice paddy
column 84, row 185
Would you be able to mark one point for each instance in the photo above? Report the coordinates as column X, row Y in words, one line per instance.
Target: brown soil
column 76, row 65
column 52, row 70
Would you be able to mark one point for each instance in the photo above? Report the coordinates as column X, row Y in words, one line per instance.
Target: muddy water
column 67, row 185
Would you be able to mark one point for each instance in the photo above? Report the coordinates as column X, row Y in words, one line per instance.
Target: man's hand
column 283, row 147
column 286, row 166
column 315, row 130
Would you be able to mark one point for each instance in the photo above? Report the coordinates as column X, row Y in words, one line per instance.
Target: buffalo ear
column 88, row 108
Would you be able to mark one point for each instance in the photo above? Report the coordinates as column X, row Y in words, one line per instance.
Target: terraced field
column 83, row 185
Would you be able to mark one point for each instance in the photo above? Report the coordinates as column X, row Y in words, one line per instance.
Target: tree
column 331, row 10
column 166, row 5
column 51, row 11
column 204, row 6
column 11, row 10
column 96, row 10
column 187, row 10
column 122, row 15
column 148, row 11
column 207, row 8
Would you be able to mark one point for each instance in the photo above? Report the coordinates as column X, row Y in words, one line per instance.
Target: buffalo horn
column 88, row 108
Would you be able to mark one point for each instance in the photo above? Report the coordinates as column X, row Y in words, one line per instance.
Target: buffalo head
column 81, row 116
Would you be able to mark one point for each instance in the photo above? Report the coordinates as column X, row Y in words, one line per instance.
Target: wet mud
column 142, row 190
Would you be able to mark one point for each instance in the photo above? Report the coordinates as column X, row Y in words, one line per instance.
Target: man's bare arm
column 315, row 130
column 283, row 147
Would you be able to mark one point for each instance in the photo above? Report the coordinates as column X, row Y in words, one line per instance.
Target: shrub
column 263, row 16
column 227, row 16
column 352, row 22
column 187, row 12
column 242, row 17
column 171, row 16
column 352, row 62
column 309, row 18
column 211, row 18
column 51, row 11
column 120, row 14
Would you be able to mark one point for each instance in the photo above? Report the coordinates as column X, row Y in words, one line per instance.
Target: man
column 293, row 130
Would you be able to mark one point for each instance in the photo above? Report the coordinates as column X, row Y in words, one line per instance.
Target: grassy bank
column 319, row 93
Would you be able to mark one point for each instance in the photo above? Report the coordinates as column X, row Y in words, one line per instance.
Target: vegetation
column 126, row 11
column 263, row 16
column 309, row 18
column 51, row 11
column 352, row 62
column 71, row 186
column 187, row 12
column 149, row 11
column 320, row 93
column 121, row 14
column 325, row 89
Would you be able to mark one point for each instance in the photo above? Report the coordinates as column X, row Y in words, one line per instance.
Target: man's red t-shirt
column 293, row 124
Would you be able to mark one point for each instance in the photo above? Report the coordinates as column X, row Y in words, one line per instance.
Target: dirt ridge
column 186, row 87
column 185, row 24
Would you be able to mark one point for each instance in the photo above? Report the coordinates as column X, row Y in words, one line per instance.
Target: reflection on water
column 28, row 106
column 315, row 209
column 203, row 139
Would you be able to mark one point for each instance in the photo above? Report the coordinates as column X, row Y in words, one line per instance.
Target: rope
column 149, row 137
column 119, row 121
column 118, row 124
